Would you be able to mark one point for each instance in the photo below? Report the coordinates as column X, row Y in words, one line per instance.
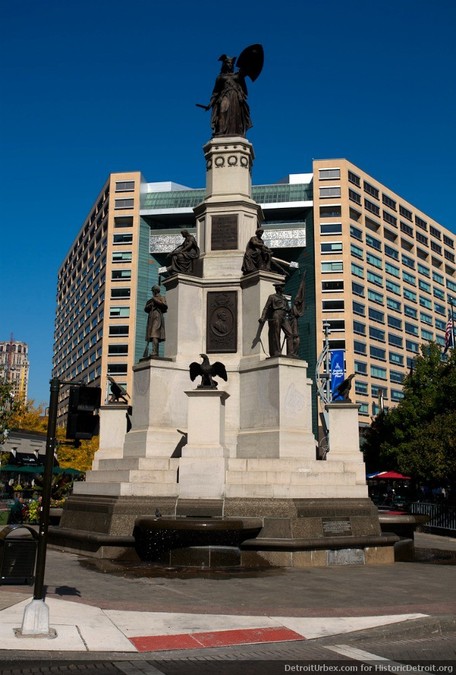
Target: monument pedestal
column 202, row 466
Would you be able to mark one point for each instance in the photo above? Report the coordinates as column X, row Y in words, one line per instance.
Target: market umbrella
column 388, row 475
column 69, row 471
column 14, row 468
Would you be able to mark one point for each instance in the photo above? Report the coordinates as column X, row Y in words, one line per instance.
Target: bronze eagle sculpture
column 207, row 371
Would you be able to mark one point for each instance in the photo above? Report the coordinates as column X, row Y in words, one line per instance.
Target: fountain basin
column 193, row 541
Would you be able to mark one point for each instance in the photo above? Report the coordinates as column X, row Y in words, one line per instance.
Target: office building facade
column 379, row 272
column 14, row 367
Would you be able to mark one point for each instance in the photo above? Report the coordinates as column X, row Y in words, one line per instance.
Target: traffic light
column 82, row 422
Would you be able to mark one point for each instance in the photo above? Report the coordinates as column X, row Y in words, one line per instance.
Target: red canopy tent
column 388, row 475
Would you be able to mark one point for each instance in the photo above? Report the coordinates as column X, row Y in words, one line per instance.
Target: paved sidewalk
column 109, row 607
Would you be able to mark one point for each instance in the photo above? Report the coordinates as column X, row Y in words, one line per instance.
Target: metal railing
column 442, row 517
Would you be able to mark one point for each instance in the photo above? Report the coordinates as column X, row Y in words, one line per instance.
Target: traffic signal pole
column 35, row 622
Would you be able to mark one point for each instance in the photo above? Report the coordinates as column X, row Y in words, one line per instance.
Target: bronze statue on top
column 230, row 111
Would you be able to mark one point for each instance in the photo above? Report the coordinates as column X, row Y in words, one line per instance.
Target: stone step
column 288, row 478
column 134, row 476
column 142, row 463
column 287, row 464
column 125, row 489
column 295, row 491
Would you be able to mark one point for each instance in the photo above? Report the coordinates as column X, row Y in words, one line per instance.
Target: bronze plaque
column 224, row 233
column 221, row 329
column 336, row 527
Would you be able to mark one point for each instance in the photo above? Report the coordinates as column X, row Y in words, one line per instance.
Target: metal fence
column 442, row 517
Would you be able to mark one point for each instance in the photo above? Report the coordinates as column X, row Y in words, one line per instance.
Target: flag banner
column 449, row 333
column 337, row 372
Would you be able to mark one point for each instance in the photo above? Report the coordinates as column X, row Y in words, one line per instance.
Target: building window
column 379, row 373
column 392, row 269
column 354, row 196
column 374, row 243
column 427, row 335
column 412, row 346
column 426, row 318
column 397, row 395
column 327, row 174
column 124, row 204
column 398, row 359
column 328, row 192
column 118, row 349
column 125, row 185
column 375, row 315
column 117, row 368
column 391, row 252
column 118, row 331
column 336, row 324
column 359, row 347
column 395, row 340
column 372, row 208
column 357, row 289
column 353, row 178
column 333, row 305
column 394, row 322
column 396, row 376
column 449, row 242
column 410, row 312
column 123, row 312
column 390, row 203
column 406, row 229
column 374, row 278
column 330, row 228
column 425, row 302
column 421, row 223
column 357, row 251
column 377, row 353
column 120, row 275
column 439, row 309
column 337, row 285
column 409, row 278
column 335, row 266
column 411, row 329
column 125, row 238
column 375, row 297
column 357, row 270
column 330, row 211
column 359, row 328
column 421, row 238
column 120, row 293
column 331, row 247
column 405, row 212
column 360, row 368
column 121, row 256
column 371, row 190
column 358, row 308
column 436, row 248
column 408, row 262
column 376, row 334
column 123, row 221
column 409, row 295
column 393, row 304
column 361, row 388
column 356, row 233
column 374, row 260
column 435, row 233
column 388, row 218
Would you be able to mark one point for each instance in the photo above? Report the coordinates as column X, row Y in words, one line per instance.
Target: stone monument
column 244, row 450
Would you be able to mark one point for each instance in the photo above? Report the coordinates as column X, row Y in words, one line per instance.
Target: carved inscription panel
column 224, row 232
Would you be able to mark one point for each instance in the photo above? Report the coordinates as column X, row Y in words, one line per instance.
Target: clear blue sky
column 373, row 82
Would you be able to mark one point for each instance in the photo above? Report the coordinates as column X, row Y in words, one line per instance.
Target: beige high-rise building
column 379, row 271
column 14, row 367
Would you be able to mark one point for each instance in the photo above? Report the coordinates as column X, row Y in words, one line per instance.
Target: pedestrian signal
column 83, row 422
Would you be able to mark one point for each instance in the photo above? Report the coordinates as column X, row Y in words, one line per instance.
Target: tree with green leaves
column 418, row 437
